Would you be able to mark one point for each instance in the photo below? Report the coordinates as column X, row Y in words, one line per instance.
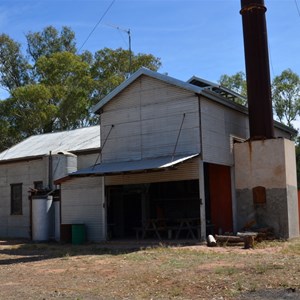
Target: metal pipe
column 50, row 170
column 257, row 69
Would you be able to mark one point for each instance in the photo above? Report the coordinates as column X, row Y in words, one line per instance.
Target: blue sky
column 192, row 37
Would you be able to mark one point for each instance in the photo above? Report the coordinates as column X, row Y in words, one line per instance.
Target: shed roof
column 82, row 139
column 134, row 166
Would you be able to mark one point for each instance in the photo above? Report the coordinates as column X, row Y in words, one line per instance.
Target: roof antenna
column 129, row 44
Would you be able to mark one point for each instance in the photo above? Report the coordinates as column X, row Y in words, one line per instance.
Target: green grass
column 226, row 270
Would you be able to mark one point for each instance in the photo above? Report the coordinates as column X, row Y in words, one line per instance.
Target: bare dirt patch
column 134, row 271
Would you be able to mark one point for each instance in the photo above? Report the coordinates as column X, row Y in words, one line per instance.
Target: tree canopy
column 236, row 83
column 285, row 93
column 51, row 87
column 14, row 68
column 286, row 96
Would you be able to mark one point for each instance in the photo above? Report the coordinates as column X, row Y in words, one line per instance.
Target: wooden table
column 151, row 225
column 189, row 225
column 178, row 226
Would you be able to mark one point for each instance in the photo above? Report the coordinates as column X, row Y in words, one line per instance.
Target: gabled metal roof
column 195, row 85
column 137, row 74
column 87, row 138
column 135, row 166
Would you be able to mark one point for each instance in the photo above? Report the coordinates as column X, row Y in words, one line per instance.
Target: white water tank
column 63, row 163
column 41, row 206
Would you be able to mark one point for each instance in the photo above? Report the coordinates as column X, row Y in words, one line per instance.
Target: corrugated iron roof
column 147, row 72
column 135, row 166
column 81, row 139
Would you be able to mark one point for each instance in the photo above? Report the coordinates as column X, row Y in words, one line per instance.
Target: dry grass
column 47, row 271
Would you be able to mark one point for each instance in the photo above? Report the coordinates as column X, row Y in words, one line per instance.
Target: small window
column 38, row 185
column 16, row 199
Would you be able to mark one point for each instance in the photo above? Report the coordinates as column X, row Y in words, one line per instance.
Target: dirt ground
column 130, row 270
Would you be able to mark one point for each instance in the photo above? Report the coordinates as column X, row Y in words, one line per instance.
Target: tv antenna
column 129, row 43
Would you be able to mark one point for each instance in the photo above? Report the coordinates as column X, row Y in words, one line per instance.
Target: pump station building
column 168, row 156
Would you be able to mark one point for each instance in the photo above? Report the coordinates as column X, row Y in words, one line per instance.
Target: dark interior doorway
column 129, row 206
column 124, row 210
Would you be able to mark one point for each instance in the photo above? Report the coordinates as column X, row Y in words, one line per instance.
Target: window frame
column 16, row 201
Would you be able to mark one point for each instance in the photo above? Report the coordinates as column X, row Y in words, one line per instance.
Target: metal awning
column 135, row 166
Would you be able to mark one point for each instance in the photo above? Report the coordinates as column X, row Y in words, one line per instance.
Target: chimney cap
column 250, row 4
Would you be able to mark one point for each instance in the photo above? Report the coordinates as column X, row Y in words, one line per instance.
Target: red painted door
column 220, row 198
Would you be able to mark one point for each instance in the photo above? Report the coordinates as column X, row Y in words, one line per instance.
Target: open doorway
column 124, row 210
column 131, row 206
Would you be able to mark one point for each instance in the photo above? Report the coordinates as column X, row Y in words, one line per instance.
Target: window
column 38, row 185
column 16, row 199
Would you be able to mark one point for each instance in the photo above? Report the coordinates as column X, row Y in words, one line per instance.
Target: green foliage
column 49, row 41
column 236, row 83
column 286, row 96
column 285, row 91
column 30, row 110
column 70, row 85
column 110, row 68
column 14, row 69
column 52, row 87
column 286, row 104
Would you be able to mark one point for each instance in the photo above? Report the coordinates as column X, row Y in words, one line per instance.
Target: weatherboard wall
column 220, row 125
column 144, row 121
column 83, row 203
column 86, row 160
column 27, row 173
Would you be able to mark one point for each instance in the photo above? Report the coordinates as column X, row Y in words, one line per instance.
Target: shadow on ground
column 24, row 251
column 272, row 294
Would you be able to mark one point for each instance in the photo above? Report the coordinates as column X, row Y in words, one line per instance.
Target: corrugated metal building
column 35, row 163
column 167, row 154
